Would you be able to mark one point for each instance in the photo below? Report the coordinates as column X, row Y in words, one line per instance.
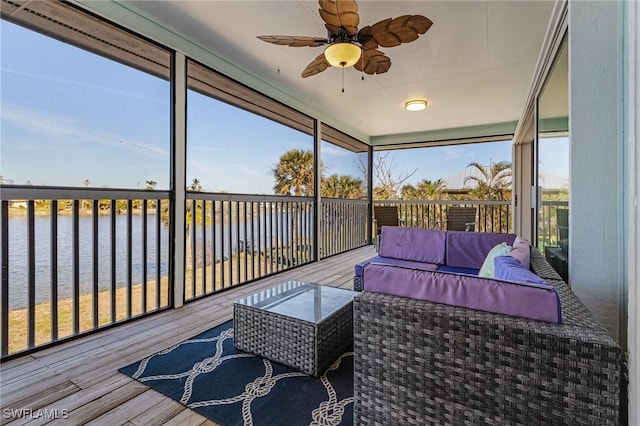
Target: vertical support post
column 178, row 174
column 369, row 194
column 4, row 285
column 317, row 205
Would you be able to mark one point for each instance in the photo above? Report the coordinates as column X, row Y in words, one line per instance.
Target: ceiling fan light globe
column 342, row 55
column 415, row 105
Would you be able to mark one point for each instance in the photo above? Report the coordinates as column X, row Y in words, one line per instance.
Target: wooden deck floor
column 80, row 378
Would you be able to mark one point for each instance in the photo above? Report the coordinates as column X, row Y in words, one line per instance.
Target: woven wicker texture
column 385, row 216
column 461, row 218
column 298, row 344
column 419, row 363
column 358, row 283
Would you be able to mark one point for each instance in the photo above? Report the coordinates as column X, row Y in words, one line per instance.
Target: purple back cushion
column 420, row 245
column 510, row 269
column 521, row 250
column 394, row 262
column 486, row 294
column 469, row 249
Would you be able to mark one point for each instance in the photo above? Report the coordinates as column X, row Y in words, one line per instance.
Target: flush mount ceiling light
column 342, row 55
column 415, row 105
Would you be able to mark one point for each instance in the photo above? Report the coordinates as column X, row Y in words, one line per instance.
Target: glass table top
column 301, row 300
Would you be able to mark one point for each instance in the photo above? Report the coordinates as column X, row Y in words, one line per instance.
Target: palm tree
column 343, row 186
column 425, row 190
column 294, row 173
column 493, row 181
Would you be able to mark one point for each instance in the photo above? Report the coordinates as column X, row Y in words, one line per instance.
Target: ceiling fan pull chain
column 362, row 66
column 342, row 79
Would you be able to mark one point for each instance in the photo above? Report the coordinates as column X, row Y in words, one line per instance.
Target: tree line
column 294, row 175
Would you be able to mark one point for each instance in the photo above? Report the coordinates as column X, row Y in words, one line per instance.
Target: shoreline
column 18, row 318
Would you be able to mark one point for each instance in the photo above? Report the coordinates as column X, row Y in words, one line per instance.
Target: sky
column 69, row 117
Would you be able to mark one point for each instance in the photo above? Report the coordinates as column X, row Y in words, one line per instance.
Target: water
column 18, row 243
column 18, row 263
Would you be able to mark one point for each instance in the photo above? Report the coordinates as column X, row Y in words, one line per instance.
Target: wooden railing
column 343, row 225
column 548, row 226
column 491, row 216
column 234, row 239
column 77, row 259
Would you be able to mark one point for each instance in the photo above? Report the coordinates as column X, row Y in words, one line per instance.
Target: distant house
column 459, row 183
column 18, row 204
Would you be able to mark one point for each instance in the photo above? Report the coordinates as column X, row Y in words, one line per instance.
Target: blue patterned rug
column 207, row 374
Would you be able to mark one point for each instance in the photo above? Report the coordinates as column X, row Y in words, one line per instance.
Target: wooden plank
column 188, row 418
column 158, row 411
column 127, row 410
column 39, row 394
column 78, row 399
column 105, row 404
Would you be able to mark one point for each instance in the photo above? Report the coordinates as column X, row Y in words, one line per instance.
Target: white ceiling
column 474, row 66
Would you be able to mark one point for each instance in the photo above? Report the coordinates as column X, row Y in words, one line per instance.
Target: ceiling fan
column 348, row 46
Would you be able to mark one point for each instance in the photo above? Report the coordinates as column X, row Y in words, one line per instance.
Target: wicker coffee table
column 304, row 326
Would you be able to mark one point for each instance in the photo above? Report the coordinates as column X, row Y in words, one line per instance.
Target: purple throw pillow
column 509, row 269
column 521, row 250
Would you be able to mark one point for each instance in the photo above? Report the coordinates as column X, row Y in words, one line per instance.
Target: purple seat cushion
column 419, row 245
column 394, row 262
column 510, row 269
column 469, row 249
column 538, row 302
column 521, row 250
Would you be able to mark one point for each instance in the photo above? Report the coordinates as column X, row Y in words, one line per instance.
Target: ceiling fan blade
column 294, row 41
column 340, row 13
column 316, row 66
column 365, row 39
column 393, row 32
column 373, row 62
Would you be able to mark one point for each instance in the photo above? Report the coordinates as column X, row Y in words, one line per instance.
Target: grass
column 18, row 318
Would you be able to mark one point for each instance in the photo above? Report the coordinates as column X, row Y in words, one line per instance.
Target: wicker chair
column 562, row 217
column 385, row 216
column 461, row 219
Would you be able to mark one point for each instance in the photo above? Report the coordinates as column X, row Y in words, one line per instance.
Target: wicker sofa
column 418, row 362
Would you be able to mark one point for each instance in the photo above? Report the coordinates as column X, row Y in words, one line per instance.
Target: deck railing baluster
column 237, row 248
column 230, row 236
column 113, row 262
column 4, row 300
column 143, row 302
column 31, row 285
column 53, row 212
column 245, row 244
column 222, row 233
column 214, row 245
column 158, row 252
column 95, row 287
column 252, row 218
column 203, row 264
column 76, row 266
column 129, row 257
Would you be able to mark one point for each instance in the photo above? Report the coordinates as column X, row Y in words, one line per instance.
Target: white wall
column 633, row 185
column 596, row 246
